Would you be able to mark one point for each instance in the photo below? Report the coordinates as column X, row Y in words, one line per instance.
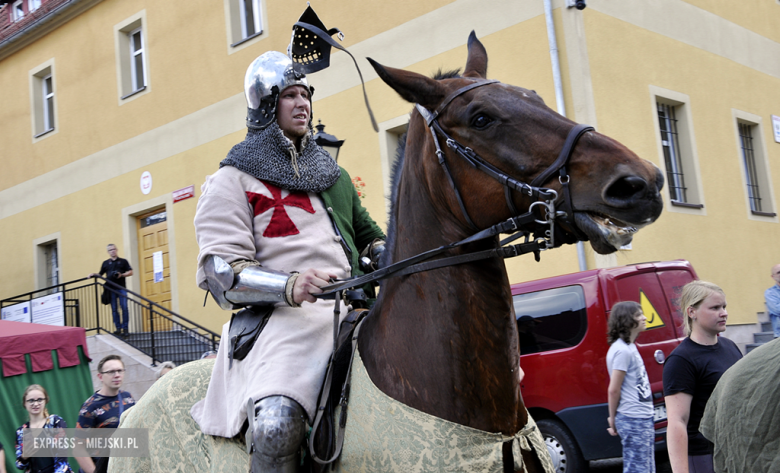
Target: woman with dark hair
column 691, row 372
column 629, row 397
column 35, row 400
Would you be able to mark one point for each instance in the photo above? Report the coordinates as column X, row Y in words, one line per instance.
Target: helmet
column 311, row 41
column 265, row 79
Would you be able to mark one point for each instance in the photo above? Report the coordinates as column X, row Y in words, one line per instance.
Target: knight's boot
column 276, row 434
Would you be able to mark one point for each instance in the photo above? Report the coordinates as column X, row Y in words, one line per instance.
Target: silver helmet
column 265, row 79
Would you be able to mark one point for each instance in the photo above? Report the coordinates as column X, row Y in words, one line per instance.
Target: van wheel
column 564, row 451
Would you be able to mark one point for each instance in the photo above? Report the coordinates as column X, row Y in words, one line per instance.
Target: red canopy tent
column 54, row 357
column 19, row 338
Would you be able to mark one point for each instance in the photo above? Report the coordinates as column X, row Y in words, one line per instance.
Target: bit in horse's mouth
column 606, row 234
column 613, row 224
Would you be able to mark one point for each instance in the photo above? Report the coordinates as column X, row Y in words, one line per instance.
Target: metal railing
column 154, row 329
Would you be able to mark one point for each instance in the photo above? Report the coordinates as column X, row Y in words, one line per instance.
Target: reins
column 545, row 198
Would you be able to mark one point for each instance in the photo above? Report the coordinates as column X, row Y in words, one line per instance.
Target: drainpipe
column 561, row 106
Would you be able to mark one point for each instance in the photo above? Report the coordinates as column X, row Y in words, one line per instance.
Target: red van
column 562, row 324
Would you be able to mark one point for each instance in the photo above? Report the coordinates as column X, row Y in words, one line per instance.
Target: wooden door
column 153, row 238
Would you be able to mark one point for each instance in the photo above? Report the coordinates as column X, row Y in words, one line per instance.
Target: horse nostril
column 626, row 188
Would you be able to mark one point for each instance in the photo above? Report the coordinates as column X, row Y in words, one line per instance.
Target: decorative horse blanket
column 175, row 440
column 382, row 434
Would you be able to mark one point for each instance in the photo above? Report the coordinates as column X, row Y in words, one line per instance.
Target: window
column 753, row 164
column 43, row 95
column 749, row 160
column 137, row 60
column 47, row 92
column 47, row 266
column 52, row 267
column 18, row 10
column 132, row 57
column 550, row 320
column 250, row 18
column 244, row 21
column 33, row 5
column 667, row 122
column 676, row 148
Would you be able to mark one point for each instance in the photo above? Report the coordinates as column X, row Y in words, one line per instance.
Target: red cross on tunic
column 280, row 224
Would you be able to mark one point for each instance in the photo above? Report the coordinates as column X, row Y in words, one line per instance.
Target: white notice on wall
column 157, row 260
column 17, row 312
column 49, row 310
column 776, row 127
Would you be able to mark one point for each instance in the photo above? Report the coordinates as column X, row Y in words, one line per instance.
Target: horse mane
column 451, row 74
column 395, row 174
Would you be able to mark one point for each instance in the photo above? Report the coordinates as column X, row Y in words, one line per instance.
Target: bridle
column 543, row 197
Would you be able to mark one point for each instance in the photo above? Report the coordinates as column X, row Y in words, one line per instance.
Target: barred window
column 675, row 176
column 754, row 165
column 749, row 161
column 677, row 149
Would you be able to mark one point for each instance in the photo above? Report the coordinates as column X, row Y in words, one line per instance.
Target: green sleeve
column 356, row 226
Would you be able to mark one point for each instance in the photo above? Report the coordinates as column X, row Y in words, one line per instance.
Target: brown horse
column 445, row 341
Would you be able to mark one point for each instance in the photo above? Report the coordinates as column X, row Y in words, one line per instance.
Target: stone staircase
column 765, row 335
column 175, row 345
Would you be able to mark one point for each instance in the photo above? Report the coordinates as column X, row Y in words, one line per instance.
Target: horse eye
column 481, row 121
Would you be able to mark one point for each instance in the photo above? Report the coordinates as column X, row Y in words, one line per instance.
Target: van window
column 551, row 319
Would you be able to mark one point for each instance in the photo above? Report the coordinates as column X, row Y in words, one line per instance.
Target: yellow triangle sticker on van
column 653, row 319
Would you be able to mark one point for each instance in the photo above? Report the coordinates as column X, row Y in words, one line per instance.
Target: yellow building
column 110, row 107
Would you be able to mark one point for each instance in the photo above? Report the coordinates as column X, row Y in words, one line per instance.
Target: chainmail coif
column 269, row 156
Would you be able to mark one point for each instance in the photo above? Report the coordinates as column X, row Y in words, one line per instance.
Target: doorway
column 154, row 262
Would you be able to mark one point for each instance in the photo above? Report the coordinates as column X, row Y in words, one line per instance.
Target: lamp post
column 329, row 143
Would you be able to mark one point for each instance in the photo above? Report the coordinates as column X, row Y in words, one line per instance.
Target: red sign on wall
column 183, row 194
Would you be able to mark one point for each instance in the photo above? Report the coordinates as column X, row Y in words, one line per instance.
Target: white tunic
column 291, row 232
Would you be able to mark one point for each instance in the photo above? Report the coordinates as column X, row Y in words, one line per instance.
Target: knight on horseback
column 278, row 204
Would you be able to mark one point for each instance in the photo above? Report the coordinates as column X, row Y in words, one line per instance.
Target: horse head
column 612, row 191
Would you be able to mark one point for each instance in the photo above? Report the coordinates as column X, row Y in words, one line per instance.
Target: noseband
column 542, row 196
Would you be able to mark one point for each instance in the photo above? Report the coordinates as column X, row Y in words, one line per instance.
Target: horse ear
column 413, row 87
column 476, row 64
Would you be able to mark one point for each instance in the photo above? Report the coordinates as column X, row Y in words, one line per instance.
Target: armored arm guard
column 254, row 285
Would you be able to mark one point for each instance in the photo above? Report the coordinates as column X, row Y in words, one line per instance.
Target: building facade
column 112, row 111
